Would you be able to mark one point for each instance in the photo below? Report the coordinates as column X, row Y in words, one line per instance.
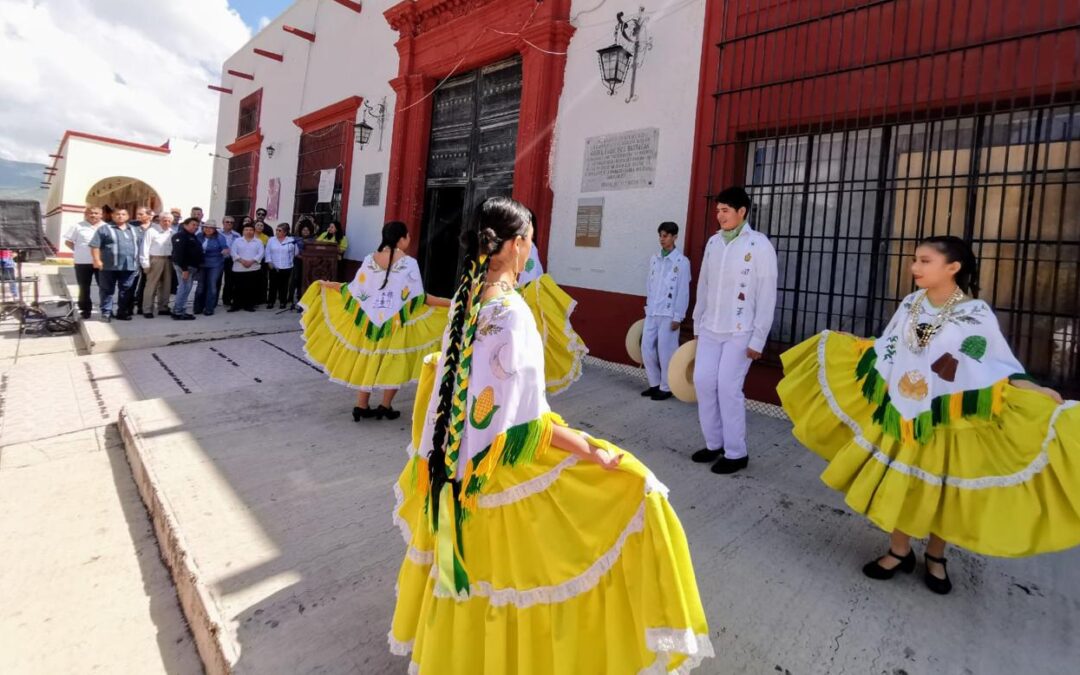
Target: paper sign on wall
column 326, row 184
column 273, row 199
column 590, row 221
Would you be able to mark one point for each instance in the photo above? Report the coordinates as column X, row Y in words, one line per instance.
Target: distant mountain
column 20, row 180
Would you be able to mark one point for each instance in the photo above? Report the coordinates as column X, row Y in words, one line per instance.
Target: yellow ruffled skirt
column 564, row 350
column 341, row 345
column 1006, row 486
column 572, row 569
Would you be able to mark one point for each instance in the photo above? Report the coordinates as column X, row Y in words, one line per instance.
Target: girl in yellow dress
column 532, row 548
column 374, row 332
column 551, row 307
column 934, row 429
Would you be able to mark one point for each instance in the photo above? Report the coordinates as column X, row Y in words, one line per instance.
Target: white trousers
column 658, row 345
column 720, row 369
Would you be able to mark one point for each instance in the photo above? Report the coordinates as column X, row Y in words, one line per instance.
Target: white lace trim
column 411, row 552
column 666, row 642
column 397, row 647
column 1022, row 476
column 366, row 352
column 526, row 488
column 557, row 593
column 577, row 348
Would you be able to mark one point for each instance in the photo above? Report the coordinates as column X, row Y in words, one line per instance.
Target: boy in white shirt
column 736, row 298
column 667, row 298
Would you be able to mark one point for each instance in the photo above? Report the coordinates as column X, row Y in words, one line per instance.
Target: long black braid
column 392, row 233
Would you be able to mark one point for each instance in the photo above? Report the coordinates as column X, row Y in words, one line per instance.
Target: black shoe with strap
column 359, row 413
column 937, row 584
column 382, row 412
column 874, row 569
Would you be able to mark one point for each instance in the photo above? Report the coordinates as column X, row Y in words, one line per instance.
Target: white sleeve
column 702, row 291
column 764, row 296
column 70, row 236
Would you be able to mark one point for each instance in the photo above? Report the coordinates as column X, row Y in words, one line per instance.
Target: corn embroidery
column 483, row 409
column 405, row 293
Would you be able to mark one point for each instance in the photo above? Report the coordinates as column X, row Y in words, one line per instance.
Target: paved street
column 281, row 505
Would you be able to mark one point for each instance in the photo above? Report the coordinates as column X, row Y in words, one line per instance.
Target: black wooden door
column 471, row 157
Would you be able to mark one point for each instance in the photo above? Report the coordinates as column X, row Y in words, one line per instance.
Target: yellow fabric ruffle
column 572, row 568
column 334, row 341
column 564, row 350
column 1008, row 486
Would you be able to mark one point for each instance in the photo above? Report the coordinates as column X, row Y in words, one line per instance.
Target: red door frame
column 342, row 111
column 439, row 38
column 249, row 142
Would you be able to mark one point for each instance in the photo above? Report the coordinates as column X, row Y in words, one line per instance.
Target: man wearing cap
column 78, row 240
column 736, row 298
column 115, row 250
column 156, row 262
column 215, row 247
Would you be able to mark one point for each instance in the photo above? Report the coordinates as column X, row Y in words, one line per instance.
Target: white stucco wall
column 181, row 176
column 667, row 87
column 353, row 55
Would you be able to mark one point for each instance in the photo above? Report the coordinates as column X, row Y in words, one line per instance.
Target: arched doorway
column 123, row 192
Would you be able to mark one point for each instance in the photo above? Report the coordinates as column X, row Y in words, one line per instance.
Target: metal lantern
column 363, row 133
column 614, row 62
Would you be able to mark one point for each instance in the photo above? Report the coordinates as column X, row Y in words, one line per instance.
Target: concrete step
column 275, row 521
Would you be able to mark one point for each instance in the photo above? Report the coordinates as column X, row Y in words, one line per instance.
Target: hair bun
column 489, row 241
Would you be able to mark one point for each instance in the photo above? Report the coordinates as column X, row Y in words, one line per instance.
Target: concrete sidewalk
column 279, row 527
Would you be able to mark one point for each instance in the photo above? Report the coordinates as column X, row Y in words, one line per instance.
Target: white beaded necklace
column 918, row 335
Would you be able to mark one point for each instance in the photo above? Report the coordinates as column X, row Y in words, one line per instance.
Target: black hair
column 497, row 221
column 735, row 197
column 337, row 230
column 305, row 224
column 668, row 227
column 189, row 220
column 535, row 224
column 246, row 224
column 392, row 233
column 260, row 209
column 956, row 249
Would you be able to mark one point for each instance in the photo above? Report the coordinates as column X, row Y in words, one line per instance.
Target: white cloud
column 264, row 21
column 133, row 69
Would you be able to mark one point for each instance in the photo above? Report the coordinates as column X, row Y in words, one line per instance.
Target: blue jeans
column 183, row 289
column 206, row 294
column 112, row 282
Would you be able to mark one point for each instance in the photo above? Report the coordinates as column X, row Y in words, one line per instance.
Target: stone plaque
column 372, row 188
column 590, row 219
column 620, row 161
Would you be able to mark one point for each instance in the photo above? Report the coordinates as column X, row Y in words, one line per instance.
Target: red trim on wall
column 342, row 111
column 66, row 208
column 112, row 141
column 246, row 143
column 64, row 254
column 57, row 156
column 273, row 56
column 237, row 73
column 436, row 38
column 293, row 30
column 214, row 87
column 354, row 6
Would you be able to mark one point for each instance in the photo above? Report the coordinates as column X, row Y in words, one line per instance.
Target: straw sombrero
column 681, row 372
column 633, row 341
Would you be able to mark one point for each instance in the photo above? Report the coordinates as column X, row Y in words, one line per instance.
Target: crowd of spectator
column 158, row 264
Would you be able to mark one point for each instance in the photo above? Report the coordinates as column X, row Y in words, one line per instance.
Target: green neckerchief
column 665, row 253
column 729, row 235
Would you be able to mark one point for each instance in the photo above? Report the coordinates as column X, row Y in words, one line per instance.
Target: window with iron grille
column 240, row 186
column 250, row 111
column 846, row 209
column 323, row 149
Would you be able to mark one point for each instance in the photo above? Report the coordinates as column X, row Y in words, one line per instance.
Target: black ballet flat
column 939, row 586
column 382, row 412
column 650, row 391
column 359, row 413
column 874, row 570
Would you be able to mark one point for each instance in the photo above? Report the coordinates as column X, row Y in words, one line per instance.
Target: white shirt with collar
column 80, row 235
column 156, row 242
column 736, row 293
column 668, row 286
column 280, row 253
column 242, row 249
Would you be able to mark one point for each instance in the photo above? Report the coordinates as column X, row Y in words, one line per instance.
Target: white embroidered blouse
column 381, row 302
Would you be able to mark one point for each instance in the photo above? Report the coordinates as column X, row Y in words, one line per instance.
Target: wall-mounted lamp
column 363, row 129
column 627, row 53
column 270, row 150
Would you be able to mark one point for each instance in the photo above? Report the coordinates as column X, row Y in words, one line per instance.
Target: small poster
column 326, row 185
column 372, row 188
column 273, row 199
column 590, row 218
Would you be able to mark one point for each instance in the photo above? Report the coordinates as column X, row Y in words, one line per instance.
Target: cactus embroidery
column 974, row 346
column 483, row 409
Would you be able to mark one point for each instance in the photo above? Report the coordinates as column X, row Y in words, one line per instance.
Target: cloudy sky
column 133, row 69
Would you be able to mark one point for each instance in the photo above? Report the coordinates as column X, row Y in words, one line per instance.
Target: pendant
column 924, row 332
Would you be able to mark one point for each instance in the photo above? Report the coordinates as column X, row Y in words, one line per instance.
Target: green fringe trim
column 378, row 332
column 976, row 403
column 522, row 442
